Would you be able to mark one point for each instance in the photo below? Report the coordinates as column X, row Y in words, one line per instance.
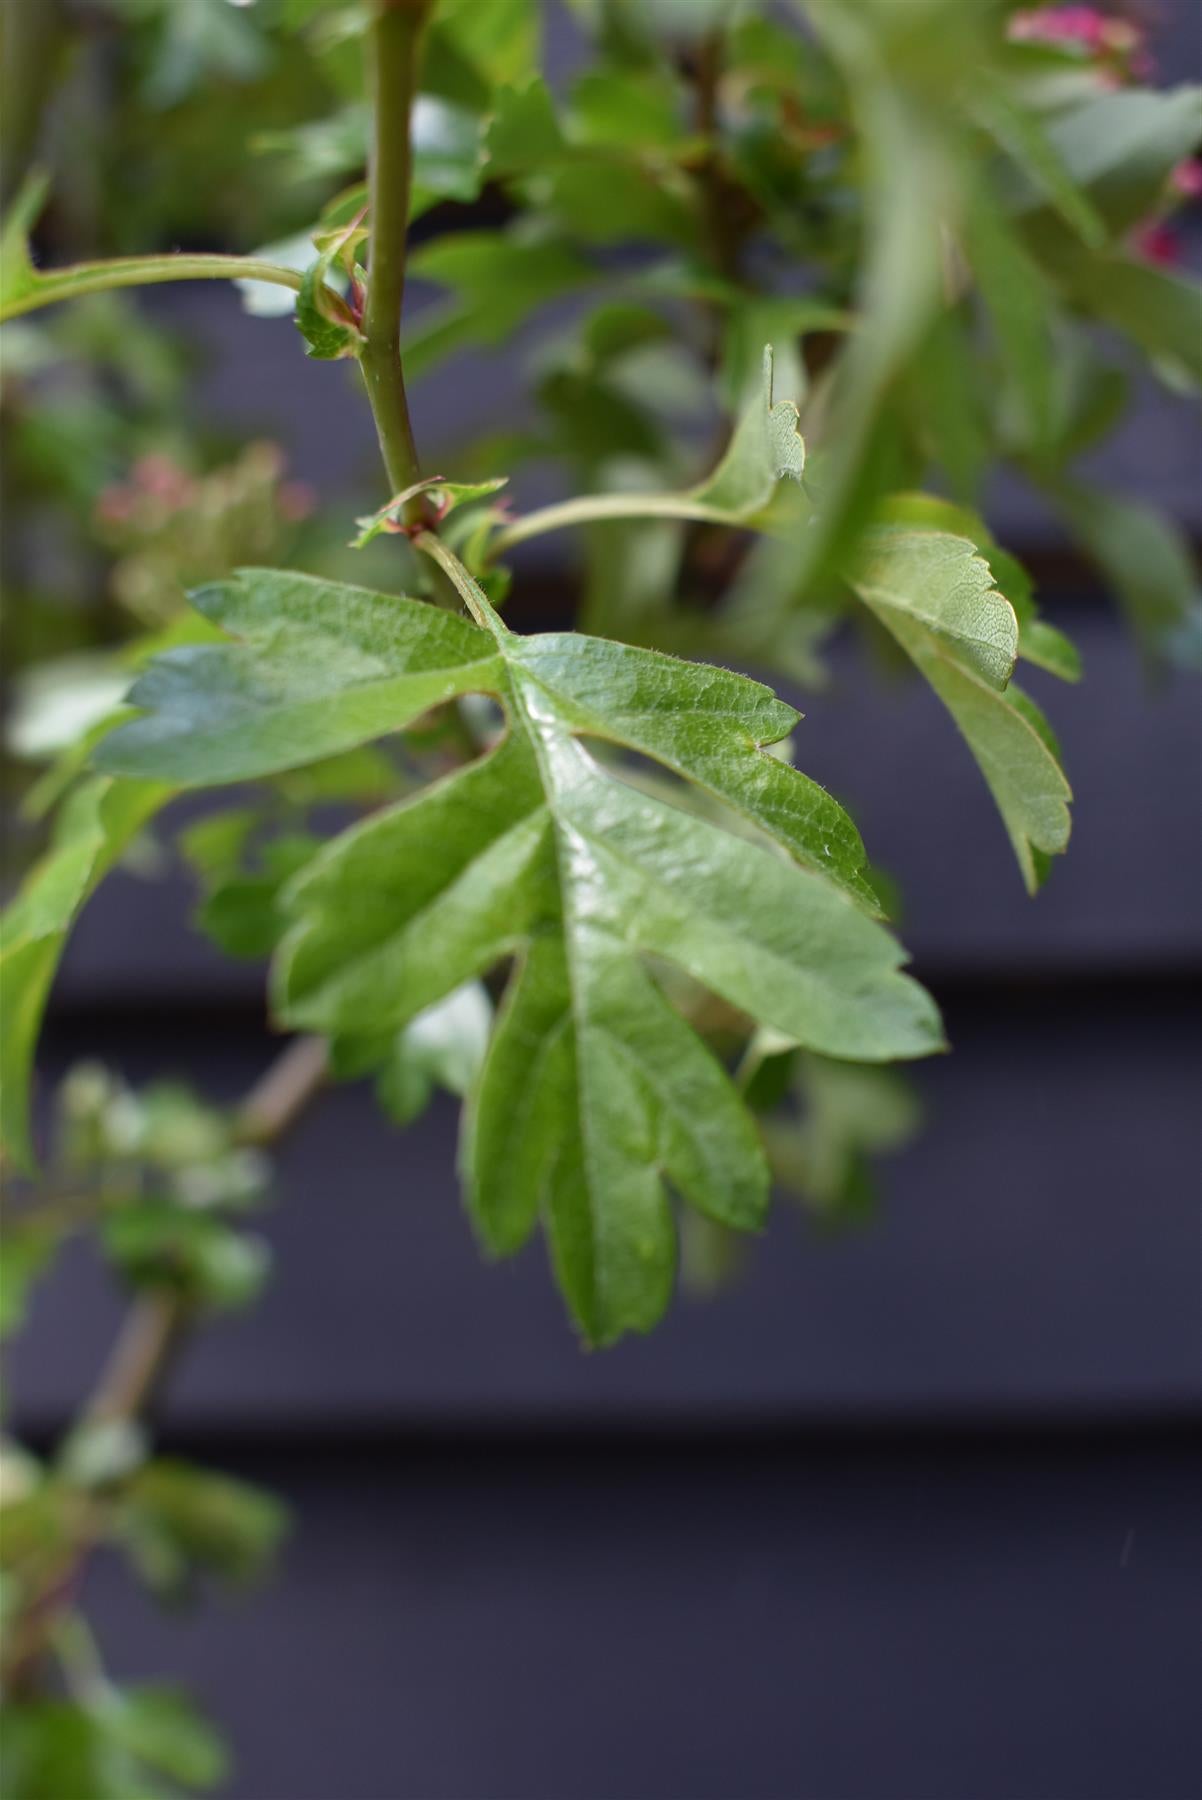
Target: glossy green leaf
column 594, row 1090
column 96, row 825
column 321, row 667
column 960, row 635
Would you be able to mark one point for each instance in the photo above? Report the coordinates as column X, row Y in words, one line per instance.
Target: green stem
column 465, row 585
column 395, row 54
column 589, row 508
column 140, row 271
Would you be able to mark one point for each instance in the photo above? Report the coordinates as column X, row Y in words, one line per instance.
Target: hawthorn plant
column 871, row 252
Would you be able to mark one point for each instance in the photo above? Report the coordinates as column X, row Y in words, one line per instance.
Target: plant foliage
column 784, row 288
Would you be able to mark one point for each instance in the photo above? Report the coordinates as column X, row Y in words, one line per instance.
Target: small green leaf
column 158, row 1244
column 1006, row 733
column 323, row 318
column 443, row 1047
column 1020, row 302
column 940, row 584
column 18, row 277
column 1038, row 642
column 766, row 447
column 447, row 497
column 240, row 911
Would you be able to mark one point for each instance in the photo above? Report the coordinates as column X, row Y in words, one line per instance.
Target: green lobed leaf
column 97, row 823
column 322, row 667
column 960, row 643
column 595, row 1092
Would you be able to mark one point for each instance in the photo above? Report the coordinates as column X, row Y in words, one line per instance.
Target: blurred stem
column 395, row 52
column 143, row 1354
column 157, row 1322
column 53, row 285
column 722, row 232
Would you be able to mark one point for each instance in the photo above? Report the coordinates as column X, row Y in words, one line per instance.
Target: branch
column 137, row 271
column 148, row 1343
column 395, row 50
column 157, row 1322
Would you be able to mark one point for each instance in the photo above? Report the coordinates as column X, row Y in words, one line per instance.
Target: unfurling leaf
column 323, row 317
column 595, row 1095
